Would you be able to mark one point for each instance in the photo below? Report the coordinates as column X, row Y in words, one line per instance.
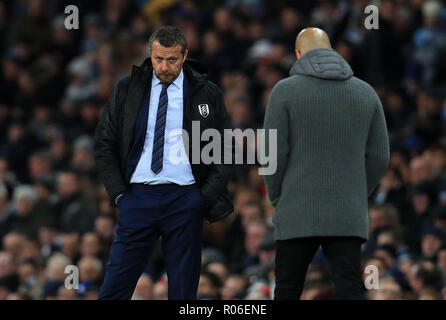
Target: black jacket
column 115, row 134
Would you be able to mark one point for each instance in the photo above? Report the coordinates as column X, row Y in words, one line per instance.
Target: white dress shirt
column 174, row 171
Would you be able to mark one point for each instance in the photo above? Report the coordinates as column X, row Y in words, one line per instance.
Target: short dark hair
column 169, row 36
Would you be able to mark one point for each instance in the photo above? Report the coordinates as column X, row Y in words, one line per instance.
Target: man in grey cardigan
column 332, row 150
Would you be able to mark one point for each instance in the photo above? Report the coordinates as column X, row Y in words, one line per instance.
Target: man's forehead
column 160, row 49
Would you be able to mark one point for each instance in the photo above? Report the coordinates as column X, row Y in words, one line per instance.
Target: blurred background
column 54, row 210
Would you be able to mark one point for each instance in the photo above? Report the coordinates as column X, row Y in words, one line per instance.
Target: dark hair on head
column 169, row 36
column 390, row 249
column 213, row 278
column 366, row 260
column 430, row 278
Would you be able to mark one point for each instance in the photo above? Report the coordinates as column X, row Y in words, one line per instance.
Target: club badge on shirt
column 203, row 109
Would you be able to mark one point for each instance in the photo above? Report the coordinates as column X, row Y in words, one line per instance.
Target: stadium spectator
column 234, row 287
column 144, row 288
column 388, row 289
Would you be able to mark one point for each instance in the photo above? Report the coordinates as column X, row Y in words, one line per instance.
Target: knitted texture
column 332, row 149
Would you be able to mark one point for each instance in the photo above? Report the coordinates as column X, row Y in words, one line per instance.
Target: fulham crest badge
column 203, row 109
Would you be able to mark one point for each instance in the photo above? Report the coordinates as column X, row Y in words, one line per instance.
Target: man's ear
column 298, row 53
column 185, row 55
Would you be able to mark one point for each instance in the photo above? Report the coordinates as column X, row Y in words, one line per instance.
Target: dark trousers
column 294, row 256
column 145, row 213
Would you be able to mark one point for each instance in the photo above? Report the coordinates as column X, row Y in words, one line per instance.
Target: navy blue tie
column 160, row 128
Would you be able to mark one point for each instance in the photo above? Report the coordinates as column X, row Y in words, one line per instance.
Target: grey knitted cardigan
column 332, row 149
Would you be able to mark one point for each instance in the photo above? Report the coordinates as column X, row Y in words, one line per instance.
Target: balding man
column 332, row 150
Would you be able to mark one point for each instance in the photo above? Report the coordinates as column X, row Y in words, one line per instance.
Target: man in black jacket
column 155, row 195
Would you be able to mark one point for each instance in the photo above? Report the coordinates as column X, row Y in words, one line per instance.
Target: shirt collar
column 178, row 81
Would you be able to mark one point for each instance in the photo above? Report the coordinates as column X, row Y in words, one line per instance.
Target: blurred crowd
column 55, row 212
